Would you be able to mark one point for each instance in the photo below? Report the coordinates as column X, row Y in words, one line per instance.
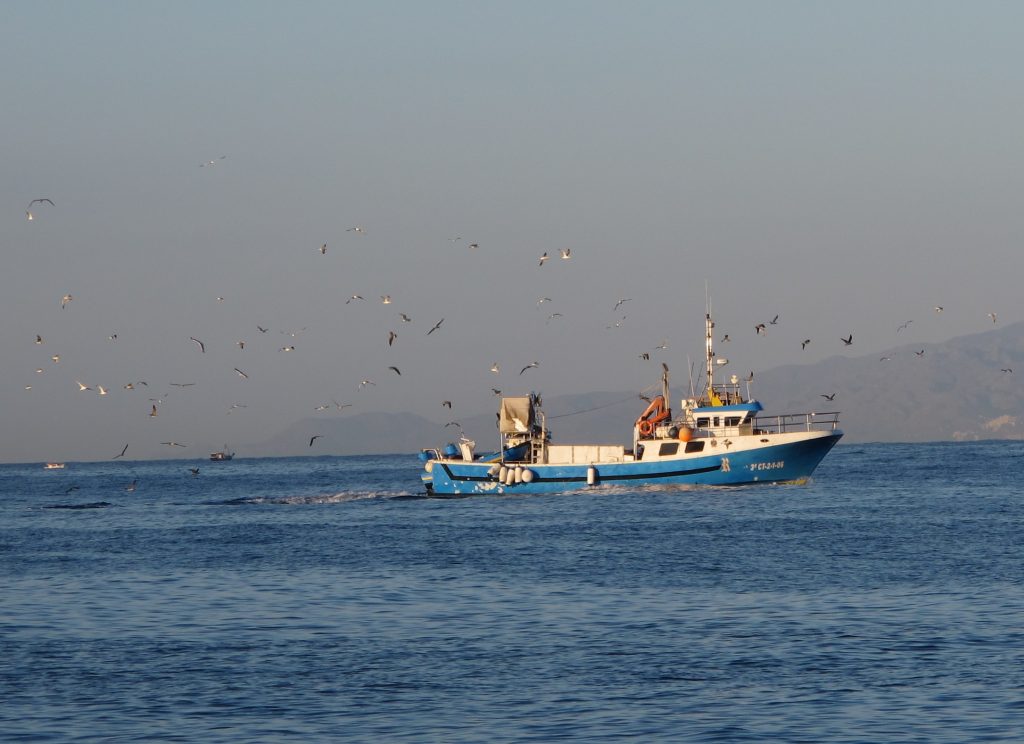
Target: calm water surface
column 320, row 599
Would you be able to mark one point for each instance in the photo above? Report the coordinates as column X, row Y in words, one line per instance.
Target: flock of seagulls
column 761, row 329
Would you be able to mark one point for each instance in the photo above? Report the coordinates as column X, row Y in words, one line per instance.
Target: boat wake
column 312, row 499
column 92, row 505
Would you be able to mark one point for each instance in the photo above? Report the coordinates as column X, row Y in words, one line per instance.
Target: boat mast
column 709, row 326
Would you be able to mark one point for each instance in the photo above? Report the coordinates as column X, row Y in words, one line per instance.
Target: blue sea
column 324, row 599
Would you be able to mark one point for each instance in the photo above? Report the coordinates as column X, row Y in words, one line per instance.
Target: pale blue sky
column 847, row 166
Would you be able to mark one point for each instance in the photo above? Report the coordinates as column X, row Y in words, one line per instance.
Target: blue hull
column 793, row 461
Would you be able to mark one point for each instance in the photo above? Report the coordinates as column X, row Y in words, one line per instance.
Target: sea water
column 323, row 599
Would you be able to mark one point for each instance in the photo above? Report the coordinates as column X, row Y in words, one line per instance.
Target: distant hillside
column 953, row 391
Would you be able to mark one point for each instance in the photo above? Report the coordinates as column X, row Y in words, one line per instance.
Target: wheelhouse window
column 694, row 446
column 732, row 420
column 668, row 448
column 703, row 422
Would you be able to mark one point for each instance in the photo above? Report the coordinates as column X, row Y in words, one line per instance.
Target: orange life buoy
column 646, row 428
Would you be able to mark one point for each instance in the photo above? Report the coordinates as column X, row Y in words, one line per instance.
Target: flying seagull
column 153, row 412
column 323, row 249
column 385, row 299
column 446, row 404
column 396, row 371
column 354, row 297
column 760, row 329
column 920, row 353
column 261, row 329
column 241, row 373
column 829, row 397
column 174, row 444
column 39, row 339
column 848, row 340
column 122, row 453
column 364, row 383
column 391, row 337
column 436, row 326
column 287, row 348
column 531, row 365
column 803, row 344
column 28, row 210
column 314, row 438
column 65, row 300
column 565, row 254
column 543, row 258
column 357, row 230
column 617, row 304
column 774, row 321
column 202, row 346
column 405, row 318
column 496, row 368
column 993, row 316
column 904, row 326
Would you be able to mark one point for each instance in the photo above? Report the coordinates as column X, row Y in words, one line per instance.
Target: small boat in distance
column 722, row 438
column 222, row 455
column 53, row 466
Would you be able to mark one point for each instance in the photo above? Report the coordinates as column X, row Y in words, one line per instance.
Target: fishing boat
column 222, row 455
column 53, row 466
column 721, row 437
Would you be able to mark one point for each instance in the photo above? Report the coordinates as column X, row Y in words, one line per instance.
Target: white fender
column 591, row 475
column 429, row 466
column 527, row 475
column 510, row 476
column 502, row 472
column 519, row 474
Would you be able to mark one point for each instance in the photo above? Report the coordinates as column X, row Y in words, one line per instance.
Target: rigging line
column 595, row 408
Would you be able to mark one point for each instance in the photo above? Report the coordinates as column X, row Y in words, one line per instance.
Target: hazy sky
column 847, row 166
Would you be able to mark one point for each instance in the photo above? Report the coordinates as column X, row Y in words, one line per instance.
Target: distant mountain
column 955, row 390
